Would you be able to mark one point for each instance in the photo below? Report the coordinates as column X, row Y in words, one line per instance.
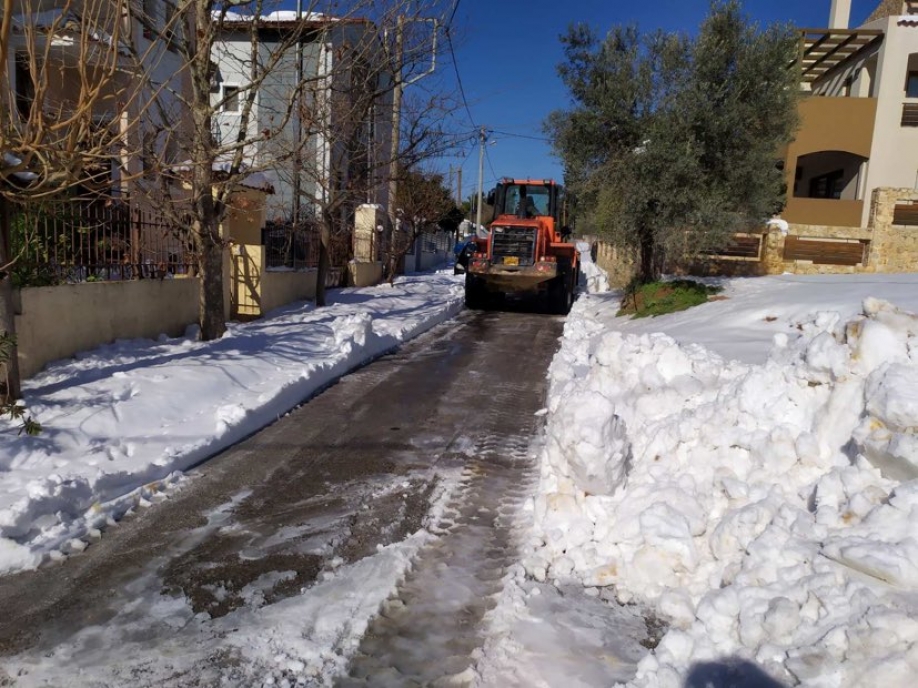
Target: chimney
column 840, row 14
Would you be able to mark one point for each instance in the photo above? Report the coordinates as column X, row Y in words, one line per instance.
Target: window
column 231, row 99
column 911, row 85
column 828, row 185
column 25, row 87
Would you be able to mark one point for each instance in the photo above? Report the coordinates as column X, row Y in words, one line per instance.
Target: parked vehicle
column 463, row 252
column 528, row 249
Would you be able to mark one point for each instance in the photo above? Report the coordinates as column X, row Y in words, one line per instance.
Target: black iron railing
column 73, row 241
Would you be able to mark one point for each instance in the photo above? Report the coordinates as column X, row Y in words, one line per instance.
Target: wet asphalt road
column 316, row 487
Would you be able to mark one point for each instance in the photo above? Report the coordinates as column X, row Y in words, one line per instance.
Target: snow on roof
column 255, row 180
column 258, row 181
column 277, row 17
column 62, row 21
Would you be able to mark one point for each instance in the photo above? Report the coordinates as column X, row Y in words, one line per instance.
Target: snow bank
column 769, row 511
column 597, row 280
column 122, row 422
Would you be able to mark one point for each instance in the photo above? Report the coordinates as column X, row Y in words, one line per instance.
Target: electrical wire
column 453, row 15
column 522, row 136
column 452, row 51
column 490, row 164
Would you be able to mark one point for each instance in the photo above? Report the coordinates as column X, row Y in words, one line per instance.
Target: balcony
column 830, row 212
column 825, row 163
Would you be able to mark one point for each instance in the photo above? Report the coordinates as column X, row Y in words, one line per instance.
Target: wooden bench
column 826, row 251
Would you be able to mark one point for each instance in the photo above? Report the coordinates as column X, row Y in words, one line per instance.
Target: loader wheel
column 476, row 296
column 561, row 294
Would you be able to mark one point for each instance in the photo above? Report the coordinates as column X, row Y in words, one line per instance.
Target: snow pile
column 122, row 422
column 597, row 280
column 769, row 511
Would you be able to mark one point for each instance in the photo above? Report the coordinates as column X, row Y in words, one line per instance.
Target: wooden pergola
column 822, row 50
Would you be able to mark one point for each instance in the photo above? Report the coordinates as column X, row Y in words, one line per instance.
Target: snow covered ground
column 122, row 422
column 747, row 468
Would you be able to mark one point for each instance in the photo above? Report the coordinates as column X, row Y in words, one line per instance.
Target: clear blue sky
column 509, row 50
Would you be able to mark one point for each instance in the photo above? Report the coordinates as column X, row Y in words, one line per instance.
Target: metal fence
column 297, row 248
column 439, row 240
column 66, row 242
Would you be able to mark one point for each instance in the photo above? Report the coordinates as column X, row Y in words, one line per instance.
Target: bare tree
column 193, row 186
column 67, row 109
column 424, row 204
column 346, row 154
column 268, row 90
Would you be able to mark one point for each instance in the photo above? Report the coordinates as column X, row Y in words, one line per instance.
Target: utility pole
column 459, row 187
column 298, row 159
column 482, row 140
column 396, row 117
column 398, row 87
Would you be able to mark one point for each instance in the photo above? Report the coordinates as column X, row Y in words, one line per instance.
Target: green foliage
column 47, row 239
column 16, row 410
column 672, row 142
column 658, row 298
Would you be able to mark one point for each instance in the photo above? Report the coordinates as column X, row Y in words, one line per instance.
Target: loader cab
column 526, row 199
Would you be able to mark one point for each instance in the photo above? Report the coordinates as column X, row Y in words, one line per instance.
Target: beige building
column 859, row 121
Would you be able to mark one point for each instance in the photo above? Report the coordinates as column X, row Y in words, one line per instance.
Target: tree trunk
column 212, row 320
column 10, row 384
column 648, row 267
column 324, row 263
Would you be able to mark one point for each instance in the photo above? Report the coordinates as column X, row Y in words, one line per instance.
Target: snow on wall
column 769, row 511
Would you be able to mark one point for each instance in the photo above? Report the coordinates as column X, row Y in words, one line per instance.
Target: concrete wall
column 56, row 322
column 364, row 274
column 426, row 260
column 245, row 216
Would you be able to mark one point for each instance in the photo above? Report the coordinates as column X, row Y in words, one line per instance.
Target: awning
column 822, row 50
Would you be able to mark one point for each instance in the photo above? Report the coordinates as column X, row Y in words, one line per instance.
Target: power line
column 465, row 102
column 522, row 136
column 490, row 164
column 452, row 16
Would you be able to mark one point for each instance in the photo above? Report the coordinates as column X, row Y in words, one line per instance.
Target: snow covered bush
column 769, row 511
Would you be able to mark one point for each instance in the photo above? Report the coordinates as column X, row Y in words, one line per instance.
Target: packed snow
column 747, row 469
column 122, row 422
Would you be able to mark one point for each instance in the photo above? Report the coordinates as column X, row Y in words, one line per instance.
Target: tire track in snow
column 429, row 632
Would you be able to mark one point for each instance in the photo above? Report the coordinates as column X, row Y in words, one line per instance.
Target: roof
column 252, row 180
column 62, row 22
column 886, row 8
column 284, row 19
column 822, row 50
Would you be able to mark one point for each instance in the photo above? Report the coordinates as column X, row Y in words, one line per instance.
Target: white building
column 345, row 135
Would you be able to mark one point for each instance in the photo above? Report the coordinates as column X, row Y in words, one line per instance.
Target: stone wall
column 620, row 264
column 893, row 248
